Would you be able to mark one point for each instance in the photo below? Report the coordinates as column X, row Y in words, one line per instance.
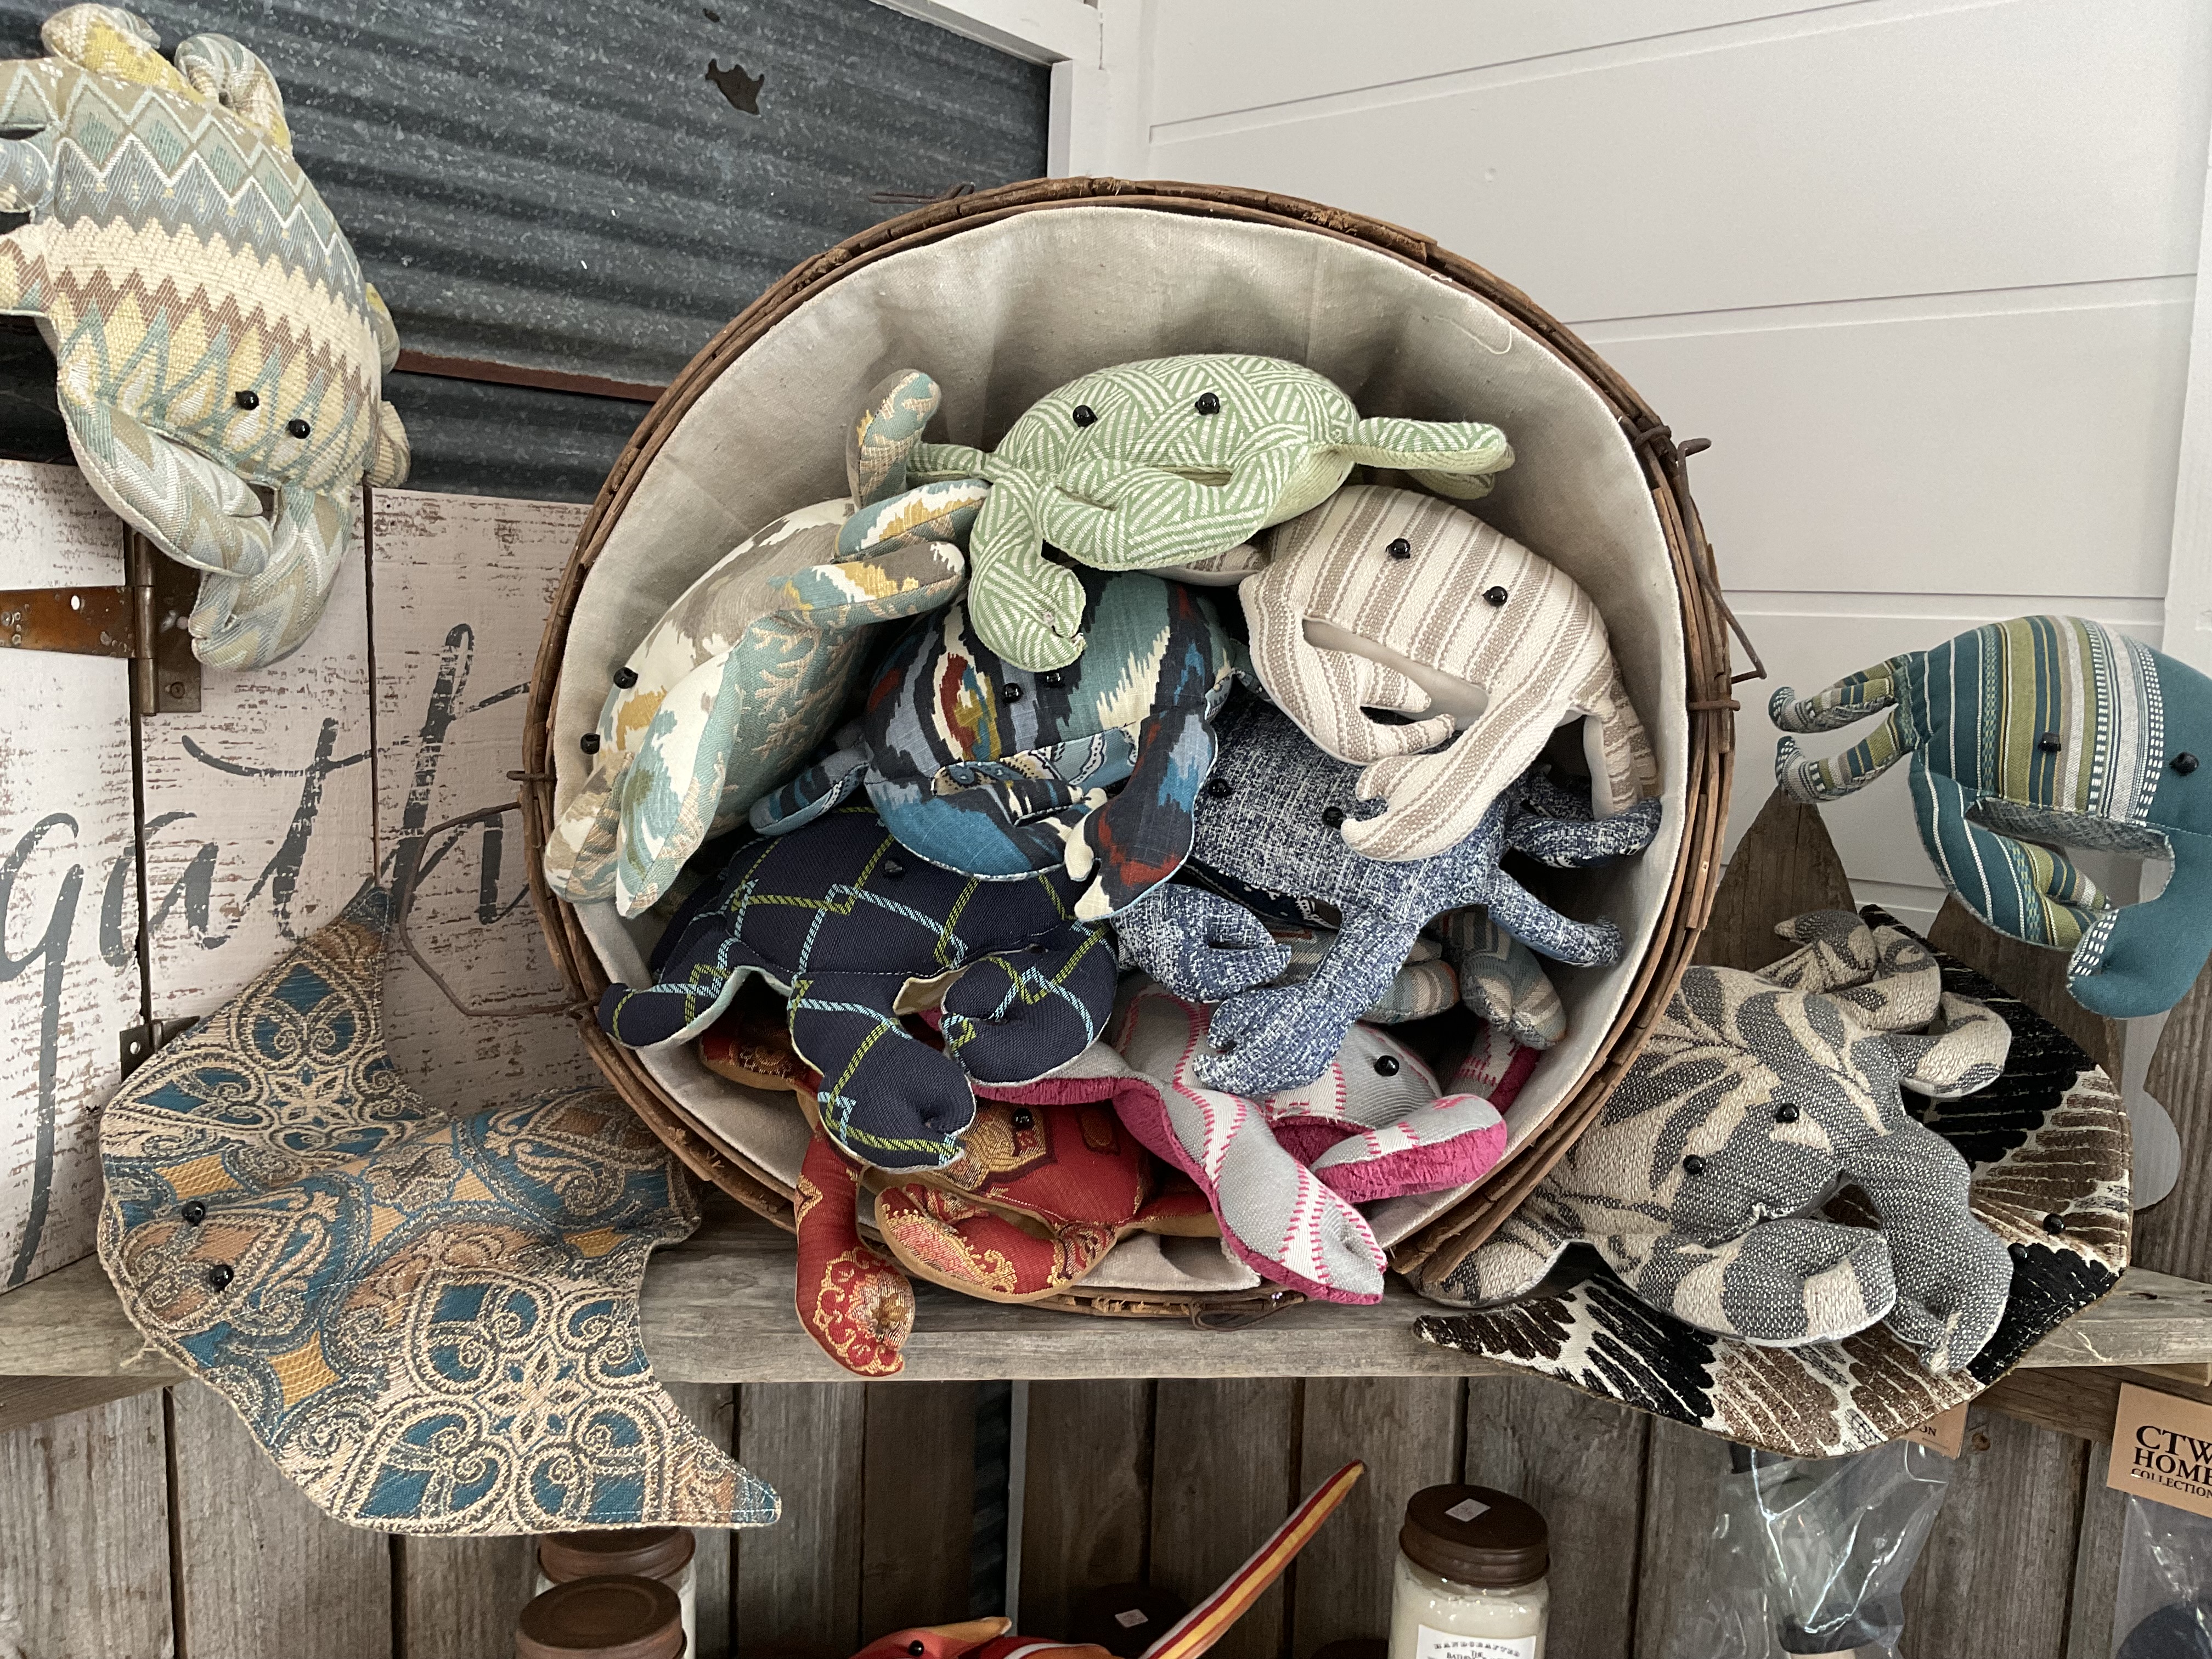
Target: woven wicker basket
column 1407, row 327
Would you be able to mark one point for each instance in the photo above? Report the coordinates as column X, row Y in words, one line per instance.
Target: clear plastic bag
column 1810, row 1555
column 2164, row 1607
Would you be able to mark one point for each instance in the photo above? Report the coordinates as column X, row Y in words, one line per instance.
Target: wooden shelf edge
column 718, row 1308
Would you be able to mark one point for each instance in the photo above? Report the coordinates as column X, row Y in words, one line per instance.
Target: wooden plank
column 1681, row 1508
column 459, row 1597
column 462, row 583
column 258, row 808
column 1407, row 1430
column 2036, row 976
column 27, row 1400
column 2096, row 1563
column 1086, row 1509
column 1995, row 1574
column 918, row 1482
column 798, row 1582
column 2175, row 1234
column 1580, row 1461
column 68, row 884
column 84, row 1534
column 713, row 1408
column 1223, row 1476
column 264, row 1573
column 717, row 1309
column 1784, row 866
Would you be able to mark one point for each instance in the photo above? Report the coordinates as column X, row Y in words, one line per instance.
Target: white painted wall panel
column 1879, row 149
column 2019, row 443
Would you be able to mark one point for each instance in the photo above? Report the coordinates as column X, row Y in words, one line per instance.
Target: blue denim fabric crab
column 984, row 767
column 1271, row 818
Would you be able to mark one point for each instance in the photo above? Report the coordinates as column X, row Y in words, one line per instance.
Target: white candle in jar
column 1470, row 1580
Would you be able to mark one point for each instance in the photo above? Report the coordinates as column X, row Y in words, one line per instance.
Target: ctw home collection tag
column 2162, row 1449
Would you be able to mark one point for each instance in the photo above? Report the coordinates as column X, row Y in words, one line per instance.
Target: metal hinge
column 140, row 1042
column 147, row 620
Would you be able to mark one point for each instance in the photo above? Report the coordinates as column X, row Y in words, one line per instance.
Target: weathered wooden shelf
column 718, row 1308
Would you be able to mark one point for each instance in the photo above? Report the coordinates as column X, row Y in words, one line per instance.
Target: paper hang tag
column 2162, row 1449
column 1945, row 1432
column 1467, row 1508
column 1132, row 1619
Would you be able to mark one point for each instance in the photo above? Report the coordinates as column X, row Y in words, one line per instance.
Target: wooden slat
column 798, row 1582
column 266, row 1575
column 459, row 1597
column 1086, row 1507
column 84, row 1536
column 1407, row 1430
column 713, row 1408
column 2096, row 1563
column 1995, row 1574
column 2036, row 976
column 68, row 892
column 1224, row 1469
column 1784, row 866
column 2175, row 1233
column 461, row 585
column 918, row 1480
column 1681, row 1506
column 1580, row 1461
column 27, row 1400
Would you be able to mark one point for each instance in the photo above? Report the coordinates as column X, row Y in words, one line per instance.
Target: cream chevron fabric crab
column 215, row 342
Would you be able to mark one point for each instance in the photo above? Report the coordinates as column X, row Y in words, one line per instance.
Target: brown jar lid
column 645, row 1551
column 1475, row 1535
column 621, row 1617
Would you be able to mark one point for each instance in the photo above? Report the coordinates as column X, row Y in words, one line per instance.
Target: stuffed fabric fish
column 857, row 932
column 1387, row 599
column 2028, row 737
column 1756, row 1098
column 749, row 669
column 211, row 332
column 1168, row 462
column 986, row 768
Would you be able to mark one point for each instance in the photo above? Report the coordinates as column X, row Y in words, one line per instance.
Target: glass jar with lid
column 1470, row 1582
column 661, row 1552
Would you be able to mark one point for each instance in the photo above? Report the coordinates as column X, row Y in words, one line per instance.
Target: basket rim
column 1683, row 918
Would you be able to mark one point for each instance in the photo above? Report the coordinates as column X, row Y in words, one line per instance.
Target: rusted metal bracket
column 140, row 1042
column 145, row 622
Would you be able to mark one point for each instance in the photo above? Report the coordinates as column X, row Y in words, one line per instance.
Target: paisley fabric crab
column 214, row 339
column 1168, row 462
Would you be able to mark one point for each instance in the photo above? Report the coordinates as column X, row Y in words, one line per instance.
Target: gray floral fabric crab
column 1757, row 1097
column 1170, row 462
column 1271, row 818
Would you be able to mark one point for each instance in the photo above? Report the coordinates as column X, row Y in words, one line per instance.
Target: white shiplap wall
column 1923, row 270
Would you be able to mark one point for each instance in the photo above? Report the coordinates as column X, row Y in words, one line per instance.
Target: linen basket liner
column 1002, row 296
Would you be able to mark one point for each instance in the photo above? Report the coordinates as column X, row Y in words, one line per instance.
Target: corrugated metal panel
column 562, row 185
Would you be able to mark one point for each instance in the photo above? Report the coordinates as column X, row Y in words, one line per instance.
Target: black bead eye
column 1386, row 1066
column 194, row 1213
column 2049, row 743
column 297, row 427
column 1400, row 548
column 1693, row 1165
column 2019, row 1252
column 248, row 399
column 891, row 869
column 2054, row 1223
column 625, row 678
column 1022, row 1118
column 917, row 1648
column 219, row 1275
column 1055, row 679
column 2185, row 762
column 589, row 742
column 1083, row 414
column 1332, row 816
column 1785, row 1114
column 1208, row 403
column 1496, row 595
column 1222, row 1048
column 1010, row 692
column 1220, row 788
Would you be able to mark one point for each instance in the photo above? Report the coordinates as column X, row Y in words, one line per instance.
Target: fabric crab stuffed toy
column 1168, row 462
column 2031, row 735
column 984, row 767
column 856, row 932
column 1271, row 818
column 746, row 673
column 1388, row 599
column 1757, row 1095
column 211, row 331
column 1284, row 1170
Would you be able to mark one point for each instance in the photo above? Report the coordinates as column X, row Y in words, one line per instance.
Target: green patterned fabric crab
column 1168, row 462
column 214, row 341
